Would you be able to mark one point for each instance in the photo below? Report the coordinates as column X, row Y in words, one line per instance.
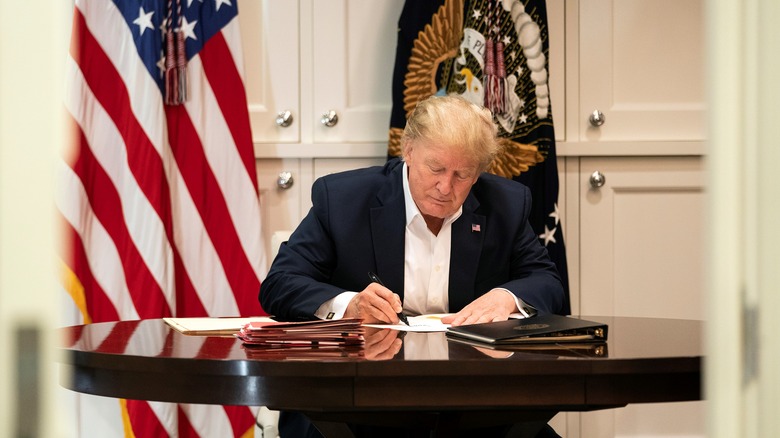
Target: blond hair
column 456, row 123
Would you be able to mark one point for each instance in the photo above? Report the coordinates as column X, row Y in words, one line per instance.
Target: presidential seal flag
column 494, row 53
column 158, row 190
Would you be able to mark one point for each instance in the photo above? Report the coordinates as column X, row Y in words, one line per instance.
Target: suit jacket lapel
column 467, row 238
column 388, row 224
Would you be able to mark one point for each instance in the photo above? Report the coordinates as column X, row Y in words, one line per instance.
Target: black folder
column 541, row 328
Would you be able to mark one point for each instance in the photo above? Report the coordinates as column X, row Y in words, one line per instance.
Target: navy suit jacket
column 357, row 224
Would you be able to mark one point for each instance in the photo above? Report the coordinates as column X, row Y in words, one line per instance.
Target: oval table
column 431, row 380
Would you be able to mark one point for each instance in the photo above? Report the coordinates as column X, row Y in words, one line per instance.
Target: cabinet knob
column 596, row 118
column 597, row 179
column 285, row 180
column 284, row 118
column 329, row 118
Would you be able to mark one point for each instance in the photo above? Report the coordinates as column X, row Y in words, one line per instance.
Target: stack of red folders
column 321, row 334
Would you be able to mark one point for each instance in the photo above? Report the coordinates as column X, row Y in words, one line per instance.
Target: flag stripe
column 109, row 89
column 232, row 36
column 99, row 307
column 230, row 95
column 224, row 157
column 107, row 270
column 242, row 420
column 186, row 430
column 147, row 231
column 187, row 299
column 208, row 420
column 107, row 204
column 144, row 290
column 108, row 26
column 197, row 250
column 209, row 201
column 144, row 421
column 241, row 191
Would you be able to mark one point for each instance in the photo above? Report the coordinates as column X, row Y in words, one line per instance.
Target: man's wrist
column 519, row 304
column 336, row 307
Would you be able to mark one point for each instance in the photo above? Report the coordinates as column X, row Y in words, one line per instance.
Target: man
column 443, row 236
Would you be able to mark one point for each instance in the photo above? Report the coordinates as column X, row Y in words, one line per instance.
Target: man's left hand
column 495, row 305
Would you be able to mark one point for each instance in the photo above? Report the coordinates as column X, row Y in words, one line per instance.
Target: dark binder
column 542, row 328
column 564, row 349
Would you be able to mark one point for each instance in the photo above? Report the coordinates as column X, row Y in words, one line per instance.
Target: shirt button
column 438, row 268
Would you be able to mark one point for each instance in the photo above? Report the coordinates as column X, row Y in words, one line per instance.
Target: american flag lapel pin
column 475, row 228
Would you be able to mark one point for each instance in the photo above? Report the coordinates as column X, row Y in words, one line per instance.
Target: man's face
column 439, row 179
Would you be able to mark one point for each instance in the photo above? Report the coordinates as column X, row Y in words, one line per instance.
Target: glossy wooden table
column 431, row 380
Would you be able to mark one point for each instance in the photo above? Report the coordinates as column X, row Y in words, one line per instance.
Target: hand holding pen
column 376, row 279
column 375, row 304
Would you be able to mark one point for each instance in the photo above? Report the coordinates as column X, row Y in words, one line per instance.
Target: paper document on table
column 426, row 323
column 205, row 326
column 423, row 323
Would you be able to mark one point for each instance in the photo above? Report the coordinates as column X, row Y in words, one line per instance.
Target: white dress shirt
column 426, row 260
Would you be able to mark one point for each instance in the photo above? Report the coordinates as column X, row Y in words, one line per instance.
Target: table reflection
column 628, row 338
column 645, row 360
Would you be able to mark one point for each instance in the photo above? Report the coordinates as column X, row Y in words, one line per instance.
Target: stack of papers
column 212, row 326
column 320, row 334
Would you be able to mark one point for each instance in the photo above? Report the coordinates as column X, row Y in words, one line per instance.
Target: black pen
column 376, row 279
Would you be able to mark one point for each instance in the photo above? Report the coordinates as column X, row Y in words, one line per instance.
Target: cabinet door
column 353, row 56
column 641, row 254
column 270, row 37
column 280, row 208
column 642, row 66
column 325, row 166
column 642, row 237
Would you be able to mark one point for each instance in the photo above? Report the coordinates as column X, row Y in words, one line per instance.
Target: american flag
column 159, row 202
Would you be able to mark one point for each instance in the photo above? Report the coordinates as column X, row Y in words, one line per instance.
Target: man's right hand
column 375, row 304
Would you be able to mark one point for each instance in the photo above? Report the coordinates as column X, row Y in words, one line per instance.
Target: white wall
column 33, row 43
column 743, row 378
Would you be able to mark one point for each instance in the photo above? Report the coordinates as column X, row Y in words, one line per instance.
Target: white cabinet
column 641, row 254
column 325, row 166
column 271, row 45
column 641, row 64
column 636, row 244
column 280, row 204
column 305, row 58
column 311, row 58
column 353, row 54
column 283, row 203
column 642, row 237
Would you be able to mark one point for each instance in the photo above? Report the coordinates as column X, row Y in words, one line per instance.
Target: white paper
column 423, row 323
column 206, row 325
column 427, row 323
